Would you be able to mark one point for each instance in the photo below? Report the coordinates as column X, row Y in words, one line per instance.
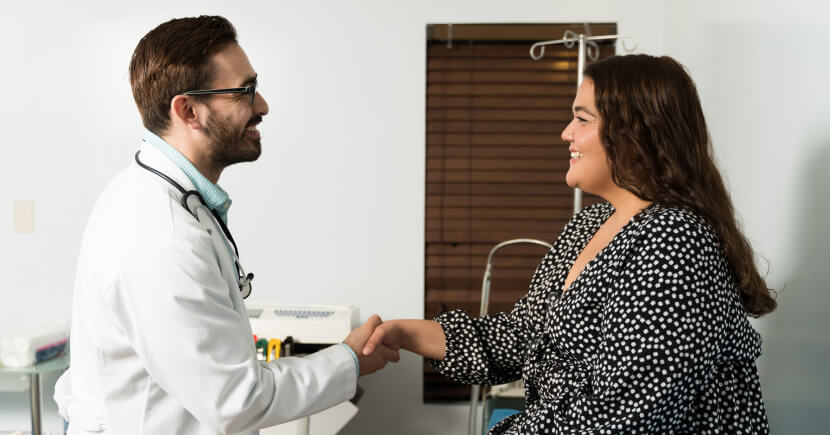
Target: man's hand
column 376, row 360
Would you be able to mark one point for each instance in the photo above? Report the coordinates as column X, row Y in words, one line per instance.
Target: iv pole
column 568, row 41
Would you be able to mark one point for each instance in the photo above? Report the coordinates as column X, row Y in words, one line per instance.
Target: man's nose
column 260, row 105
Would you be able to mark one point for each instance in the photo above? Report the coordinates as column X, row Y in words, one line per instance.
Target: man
column 161, row 341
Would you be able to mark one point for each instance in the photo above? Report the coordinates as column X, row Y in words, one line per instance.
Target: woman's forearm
column 424, row 337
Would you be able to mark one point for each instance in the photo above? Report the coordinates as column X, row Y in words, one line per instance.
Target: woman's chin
column 570, row 182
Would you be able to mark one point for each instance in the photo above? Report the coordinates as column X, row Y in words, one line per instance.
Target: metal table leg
column 34, row 394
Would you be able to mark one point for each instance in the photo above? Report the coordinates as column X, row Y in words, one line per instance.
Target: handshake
column 376, row 343
column 372, row 348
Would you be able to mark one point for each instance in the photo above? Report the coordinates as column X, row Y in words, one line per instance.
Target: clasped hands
column 373, row 345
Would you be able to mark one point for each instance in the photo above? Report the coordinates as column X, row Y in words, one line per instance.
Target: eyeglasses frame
column 251, row 89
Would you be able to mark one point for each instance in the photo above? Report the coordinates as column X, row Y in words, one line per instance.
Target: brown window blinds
column 496, row 164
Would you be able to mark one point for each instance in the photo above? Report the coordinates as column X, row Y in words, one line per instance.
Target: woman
column 636, row 320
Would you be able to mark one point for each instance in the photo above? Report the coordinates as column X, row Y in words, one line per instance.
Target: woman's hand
column 386, row 334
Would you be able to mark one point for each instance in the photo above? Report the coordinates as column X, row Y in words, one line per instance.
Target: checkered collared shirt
column 215, row 197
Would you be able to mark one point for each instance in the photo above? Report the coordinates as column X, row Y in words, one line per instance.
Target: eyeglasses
column 246, row 90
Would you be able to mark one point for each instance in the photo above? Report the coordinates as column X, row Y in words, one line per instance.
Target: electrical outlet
column 24, row 216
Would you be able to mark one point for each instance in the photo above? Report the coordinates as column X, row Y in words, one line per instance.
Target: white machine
column 312, row 324
column 311, row 327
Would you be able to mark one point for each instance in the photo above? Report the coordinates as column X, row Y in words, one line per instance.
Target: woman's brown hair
column 654, row 132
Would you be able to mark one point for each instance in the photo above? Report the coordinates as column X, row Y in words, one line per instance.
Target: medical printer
column 288, row 330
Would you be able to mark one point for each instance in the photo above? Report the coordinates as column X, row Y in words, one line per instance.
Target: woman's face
column 589, row 169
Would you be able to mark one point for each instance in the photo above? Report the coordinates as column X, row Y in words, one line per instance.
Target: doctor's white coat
column 160, row 340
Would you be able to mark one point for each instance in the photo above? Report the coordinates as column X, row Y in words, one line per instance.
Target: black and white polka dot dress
column 651, row 337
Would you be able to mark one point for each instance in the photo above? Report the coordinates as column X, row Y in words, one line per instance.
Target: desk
column 34, row 372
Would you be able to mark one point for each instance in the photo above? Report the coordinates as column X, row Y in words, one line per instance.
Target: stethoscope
column 243, row 279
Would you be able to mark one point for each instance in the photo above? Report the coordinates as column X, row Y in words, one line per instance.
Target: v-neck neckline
column 602, row 252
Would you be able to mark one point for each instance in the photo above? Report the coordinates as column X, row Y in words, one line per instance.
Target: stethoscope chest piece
column 245, row 285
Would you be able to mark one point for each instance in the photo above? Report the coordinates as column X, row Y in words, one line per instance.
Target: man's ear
column 183, row 109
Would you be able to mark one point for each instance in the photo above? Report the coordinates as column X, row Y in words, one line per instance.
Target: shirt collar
column 215, row 197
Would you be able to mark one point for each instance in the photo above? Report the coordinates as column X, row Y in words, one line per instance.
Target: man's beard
column 228, row 143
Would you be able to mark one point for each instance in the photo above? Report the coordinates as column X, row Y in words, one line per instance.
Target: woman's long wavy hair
column 654, row 133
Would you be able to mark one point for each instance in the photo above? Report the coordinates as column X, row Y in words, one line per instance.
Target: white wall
column 345, row 80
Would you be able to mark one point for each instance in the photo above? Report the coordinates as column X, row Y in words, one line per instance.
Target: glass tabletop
column 54, row 364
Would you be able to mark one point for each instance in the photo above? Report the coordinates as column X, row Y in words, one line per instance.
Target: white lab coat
column 160, row 341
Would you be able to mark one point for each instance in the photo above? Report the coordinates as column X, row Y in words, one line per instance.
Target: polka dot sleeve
column 491, row 349
column 481, row 351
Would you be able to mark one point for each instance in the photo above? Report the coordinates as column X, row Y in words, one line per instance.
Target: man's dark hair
column 173, row 58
